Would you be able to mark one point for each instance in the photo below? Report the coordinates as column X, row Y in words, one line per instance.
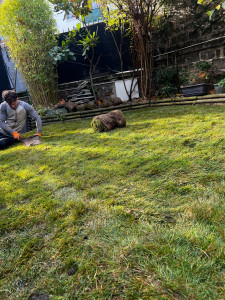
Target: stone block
column 70, row 106
column 203, row 55
column 89, row 105
column 218, row 63
column 218, row 53
column 117, row 101
column 211, row 54
column 80, row 107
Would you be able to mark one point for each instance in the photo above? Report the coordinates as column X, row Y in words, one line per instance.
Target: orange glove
column 38, row 134
column 16, row 135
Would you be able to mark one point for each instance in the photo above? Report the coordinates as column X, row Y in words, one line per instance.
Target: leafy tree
column 144, row 17
column 88, row 43
column 214, row 6
column 61, row 53
column 29, row 30
column 81, row 37
column 80, row 8
column 124, row 33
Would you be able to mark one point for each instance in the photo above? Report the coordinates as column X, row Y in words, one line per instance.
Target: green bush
column 204, row 66
column 221, row 83
column 200, row 73
column 167, row 80
column 29, row 30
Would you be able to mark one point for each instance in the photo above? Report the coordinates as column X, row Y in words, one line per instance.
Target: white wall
column 120, row 89
column 64, row 25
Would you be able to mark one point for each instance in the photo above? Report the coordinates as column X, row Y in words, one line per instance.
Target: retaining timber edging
column 208, row 99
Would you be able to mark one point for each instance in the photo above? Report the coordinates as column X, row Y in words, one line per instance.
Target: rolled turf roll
column 106, row 122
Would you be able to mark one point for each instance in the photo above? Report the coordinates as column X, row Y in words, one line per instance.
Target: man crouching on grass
column 13, row 114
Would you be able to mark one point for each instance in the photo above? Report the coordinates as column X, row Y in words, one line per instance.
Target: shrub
column 200, row 73
column 28, row 30
column 221, row 83
column 167, row 82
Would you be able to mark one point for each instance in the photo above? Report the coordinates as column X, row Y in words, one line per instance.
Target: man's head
column 10, row 97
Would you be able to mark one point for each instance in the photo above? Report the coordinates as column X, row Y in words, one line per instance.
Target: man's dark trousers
column 6, row 141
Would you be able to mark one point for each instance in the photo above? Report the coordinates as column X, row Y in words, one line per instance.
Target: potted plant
column 195, row 82
column 220, row 86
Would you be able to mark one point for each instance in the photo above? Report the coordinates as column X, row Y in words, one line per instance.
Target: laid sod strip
column 134, row 213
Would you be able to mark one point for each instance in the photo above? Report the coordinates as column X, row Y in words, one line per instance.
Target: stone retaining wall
column 189, row 36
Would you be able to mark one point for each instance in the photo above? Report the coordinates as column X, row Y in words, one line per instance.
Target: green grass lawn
column 136, row 213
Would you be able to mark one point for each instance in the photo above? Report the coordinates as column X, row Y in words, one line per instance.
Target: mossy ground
column 134, row 213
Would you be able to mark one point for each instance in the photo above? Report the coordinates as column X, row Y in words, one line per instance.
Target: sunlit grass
column 135, row 213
